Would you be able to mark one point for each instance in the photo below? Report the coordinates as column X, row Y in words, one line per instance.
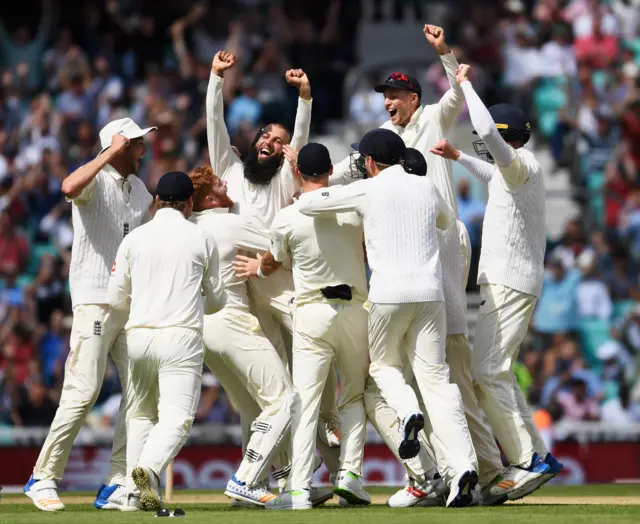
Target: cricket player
column 167, row 274
column 407, row 302
column 421, row 128
column 329, row 323
column 259, row 187
column 510, row 275
column 236, row 349
column 109, row 202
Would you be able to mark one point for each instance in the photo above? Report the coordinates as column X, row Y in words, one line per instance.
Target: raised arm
column 479, row 168
column 78, row 186
column 214, row 293
column 119, row 288
column 298, row 79
column 336, row 199
column 221, row 154
column 452, row 102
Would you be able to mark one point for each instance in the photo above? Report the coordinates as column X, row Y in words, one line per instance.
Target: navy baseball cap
column 174, row 186
column 314, row 160
column 509, row 118
column 400, row 81
column 383, row 146
column 414, row 162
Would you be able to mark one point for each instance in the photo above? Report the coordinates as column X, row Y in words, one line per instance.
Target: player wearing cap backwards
column 407, row 316
column 260, row 186
column 510, row 274
column 166, row 273
column 329, row 323
column 109, row 201
column 236, row 348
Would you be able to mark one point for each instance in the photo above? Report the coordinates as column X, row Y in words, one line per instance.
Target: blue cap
column 383, row 146
column 174, row 186
column 314, row 160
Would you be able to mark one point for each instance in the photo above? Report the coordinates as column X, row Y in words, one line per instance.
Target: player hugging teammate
column 286, row 302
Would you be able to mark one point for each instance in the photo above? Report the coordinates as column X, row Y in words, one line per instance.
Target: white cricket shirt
column 325, row 251
column 261, row 202
column 106, row 211
column 232, row 233
column 401, row 213
column 161, row 271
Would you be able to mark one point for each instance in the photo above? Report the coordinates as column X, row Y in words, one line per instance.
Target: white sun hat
column 125, row 127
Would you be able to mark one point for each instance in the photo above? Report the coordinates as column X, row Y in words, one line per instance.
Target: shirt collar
column 113, row 172
column 415, row 118
column 168, row 213
column 213, row 210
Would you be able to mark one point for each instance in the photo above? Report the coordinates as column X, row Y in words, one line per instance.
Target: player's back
column 168, row 257
column 326, row 251
column 401, row 239
column 232, row 233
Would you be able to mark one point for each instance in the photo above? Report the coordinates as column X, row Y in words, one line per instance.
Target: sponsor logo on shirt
column 97, row 328
column 113, row 268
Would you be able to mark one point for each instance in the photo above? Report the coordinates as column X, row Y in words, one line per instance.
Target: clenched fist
column 118, row 144
column 445, row 150
column 435, row 36
column 221, row 62
column 463, row 73
column 298, row 78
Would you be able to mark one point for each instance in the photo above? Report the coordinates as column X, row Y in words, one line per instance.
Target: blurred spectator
column 576, row 404
column 245, row 108
column 14, row 247
column 33, row 406
column 52, row 347
column 557, row 307
column 593, row 298
column 471, row 212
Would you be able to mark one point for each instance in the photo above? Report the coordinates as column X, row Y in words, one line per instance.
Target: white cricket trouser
column 419, row 330
column 321, row 333
column 272, row 302
column 385, row 421
column 459, row 360
column 253, row 375
column 94, row 335
column 165, row 376
column 502, row 324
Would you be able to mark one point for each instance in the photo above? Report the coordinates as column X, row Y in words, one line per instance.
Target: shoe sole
column 422, row 503
column 466, row 485
column 148, row 499
column 528, row 488
column 410, row 447
column 350, row 497
column 107, row 505
column 242, row 498
column 318, row 502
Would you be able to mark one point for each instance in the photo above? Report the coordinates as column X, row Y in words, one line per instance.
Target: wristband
column 260, row 273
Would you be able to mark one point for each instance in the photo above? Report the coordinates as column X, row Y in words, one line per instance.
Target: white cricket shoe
column 527, row 480
column 132, row 503
column 258, row 495
column 111, row 497
column 43, row 494
column 329, row 432
column 349, row 487
column 292, row 500
column 462, row 490
column 495, row 493
column 148, row 484
column 429, row 493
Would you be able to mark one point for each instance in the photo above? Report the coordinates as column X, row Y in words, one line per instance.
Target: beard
column 260, row 172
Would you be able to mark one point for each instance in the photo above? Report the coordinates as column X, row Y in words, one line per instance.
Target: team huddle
column 257, row 268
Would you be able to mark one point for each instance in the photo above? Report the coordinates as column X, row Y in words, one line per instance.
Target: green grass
column 11, row 512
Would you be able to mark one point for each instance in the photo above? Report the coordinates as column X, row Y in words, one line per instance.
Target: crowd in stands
column 64, row 73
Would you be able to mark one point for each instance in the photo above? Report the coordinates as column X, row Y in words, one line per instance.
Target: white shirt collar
column 113, row 172
column 415, row 118
column 168, row 213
